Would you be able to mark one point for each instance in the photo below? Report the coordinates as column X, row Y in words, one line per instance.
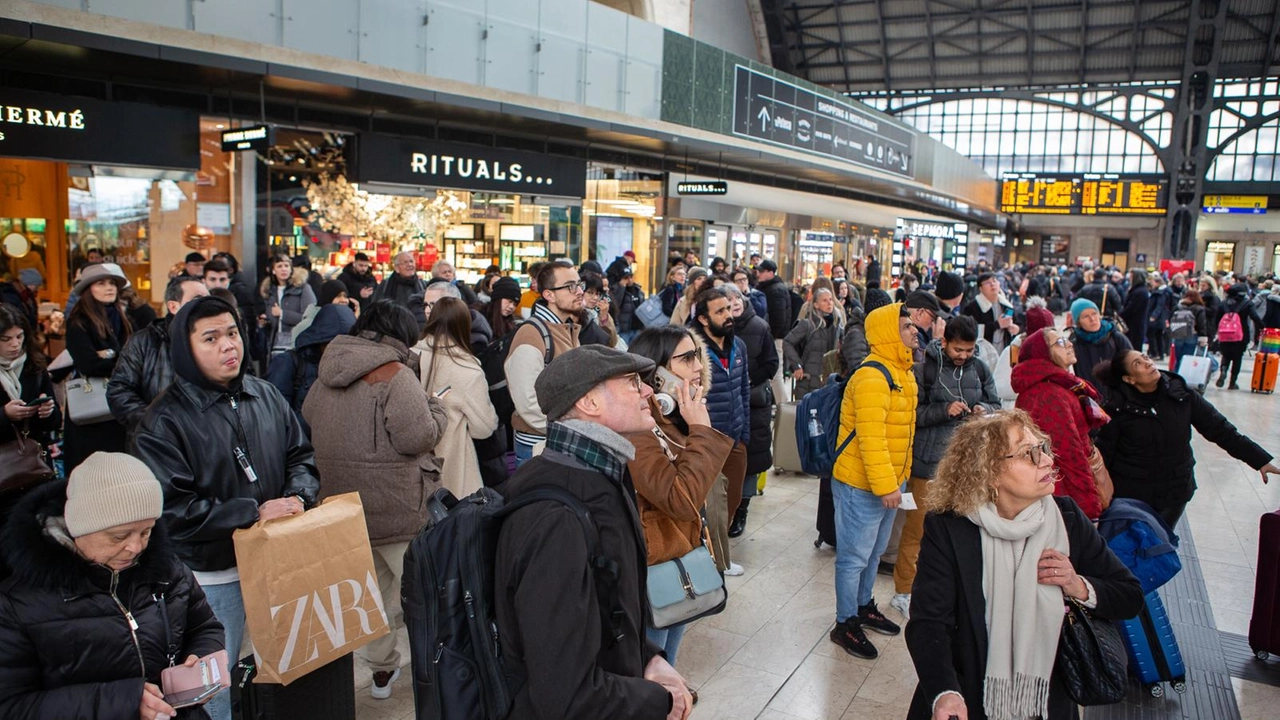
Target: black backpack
column 448, row 598
column 494, row 358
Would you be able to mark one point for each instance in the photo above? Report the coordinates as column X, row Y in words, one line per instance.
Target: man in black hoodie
column 229, row 453
column 359, row 279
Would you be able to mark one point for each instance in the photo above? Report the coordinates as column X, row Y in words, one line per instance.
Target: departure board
column 1087, row 194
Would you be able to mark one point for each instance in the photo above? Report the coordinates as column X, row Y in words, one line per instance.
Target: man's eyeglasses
column 1033, row 453
column 573, row 287
column 633, row 380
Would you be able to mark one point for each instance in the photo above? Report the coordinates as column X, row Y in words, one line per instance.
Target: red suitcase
column 1264, row 626
column 1265, row 366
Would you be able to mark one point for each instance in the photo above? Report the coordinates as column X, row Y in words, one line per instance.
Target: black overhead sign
column 778, row 112
column 256, row 137
column 75, row 129
column 710, row 187
column 411, row 161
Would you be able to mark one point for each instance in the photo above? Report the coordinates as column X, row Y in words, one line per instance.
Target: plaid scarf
column 595, row 445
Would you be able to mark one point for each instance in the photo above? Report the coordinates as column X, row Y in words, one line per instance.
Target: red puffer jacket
column 1057, row 411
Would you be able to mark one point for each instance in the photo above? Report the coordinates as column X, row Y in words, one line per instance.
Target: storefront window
column 144, row 220
column 622, row 212
column 1275, row 259
column 1219, row 256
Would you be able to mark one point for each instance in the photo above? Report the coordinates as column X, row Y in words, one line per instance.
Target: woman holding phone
column 677, row 464
column 86, row 556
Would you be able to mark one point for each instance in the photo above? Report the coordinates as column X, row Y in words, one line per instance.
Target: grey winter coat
column 942, row 383
column 804, row 347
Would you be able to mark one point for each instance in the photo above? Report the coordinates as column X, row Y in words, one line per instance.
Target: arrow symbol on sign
column 764, row 119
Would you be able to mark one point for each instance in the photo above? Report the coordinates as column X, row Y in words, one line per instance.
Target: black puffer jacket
column 1147, row 444
column 66, row 650
column 188, row 438
column 141, row 373
column 762, row 363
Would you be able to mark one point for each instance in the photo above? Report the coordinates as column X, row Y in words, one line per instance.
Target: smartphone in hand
column 38, row 401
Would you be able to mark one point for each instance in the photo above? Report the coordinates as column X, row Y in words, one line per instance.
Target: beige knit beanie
column 110, row 489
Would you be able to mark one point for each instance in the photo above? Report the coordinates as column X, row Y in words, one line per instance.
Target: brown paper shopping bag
column 310, row 591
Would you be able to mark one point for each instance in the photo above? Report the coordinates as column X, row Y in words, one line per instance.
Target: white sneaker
column 734, row 570
column 902, row 603
column 382, row 691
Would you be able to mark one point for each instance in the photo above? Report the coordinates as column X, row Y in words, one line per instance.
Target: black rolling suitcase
column 826, row 523
column 326, row 693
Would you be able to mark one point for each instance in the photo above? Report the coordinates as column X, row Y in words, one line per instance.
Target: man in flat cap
column 577, row 661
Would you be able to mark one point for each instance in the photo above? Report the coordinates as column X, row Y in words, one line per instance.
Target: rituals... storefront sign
column 45, row 126
column 409, row 161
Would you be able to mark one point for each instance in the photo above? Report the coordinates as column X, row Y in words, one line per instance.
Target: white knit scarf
column 11, row 376
column 1024, row 618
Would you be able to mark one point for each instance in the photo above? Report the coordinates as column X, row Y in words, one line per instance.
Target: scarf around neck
column 1097, row 336
column 600, row 448
column 1024, row 618
column 11, row 376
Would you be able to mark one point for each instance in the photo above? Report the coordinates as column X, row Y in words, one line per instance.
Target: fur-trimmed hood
column 42, row 555
column 296, row 280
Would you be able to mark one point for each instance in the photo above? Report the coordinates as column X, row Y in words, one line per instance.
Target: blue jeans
column 628, row 336
column 523, row 452
column 863, row 525
column 228, row 606
column 668, row 639
column 1190, row 346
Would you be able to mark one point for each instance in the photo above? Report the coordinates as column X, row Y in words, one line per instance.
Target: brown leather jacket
column 670, row 492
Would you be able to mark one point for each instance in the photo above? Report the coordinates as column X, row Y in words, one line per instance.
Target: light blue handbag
column 685, row 589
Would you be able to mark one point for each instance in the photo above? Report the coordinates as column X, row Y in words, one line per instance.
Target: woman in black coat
column 762, row 363
column 66, row 645
column 23, row 378
column 97, row 328
column 1147, row 444
column 974, row 626
column 1136, row 304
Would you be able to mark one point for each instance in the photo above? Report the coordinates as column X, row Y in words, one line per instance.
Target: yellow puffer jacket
column 879, row 458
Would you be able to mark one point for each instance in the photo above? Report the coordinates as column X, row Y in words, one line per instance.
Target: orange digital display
column 1088, row 194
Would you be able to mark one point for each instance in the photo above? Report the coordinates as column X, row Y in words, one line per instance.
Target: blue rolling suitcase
column 1154, row 657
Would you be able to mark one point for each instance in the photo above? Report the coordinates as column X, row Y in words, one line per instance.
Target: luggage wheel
column 818, row 544
column 1156, row 690
column 1261, row 654
column 1180, row 687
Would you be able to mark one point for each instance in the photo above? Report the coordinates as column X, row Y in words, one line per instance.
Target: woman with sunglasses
column 998, row 561
column 1147, row 444
column 1066, row 407
column 677, row 463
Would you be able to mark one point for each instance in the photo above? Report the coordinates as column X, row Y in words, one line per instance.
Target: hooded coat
column 66, row 649
column 941, row 383
column 355, row 282
column 1057, row 411
column 298, row 296
column 762, row 364
column 188, row 437
column 294, row 372
column 375, row 429
column 878, row 459
column 1147, row 444
column 1134, row 314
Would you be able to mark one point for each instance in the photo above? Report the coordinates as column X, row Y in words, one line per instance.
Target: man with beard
column 359, row 279
column 402, row 284
column 728, row 402
column 553, row 317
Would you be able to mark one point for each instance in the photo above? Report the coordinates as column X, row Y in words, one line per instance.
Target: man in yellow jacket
column 869, row 474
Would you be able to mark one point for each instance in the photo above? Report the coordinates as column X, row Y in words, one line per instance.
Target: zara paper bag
column 310, row 591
